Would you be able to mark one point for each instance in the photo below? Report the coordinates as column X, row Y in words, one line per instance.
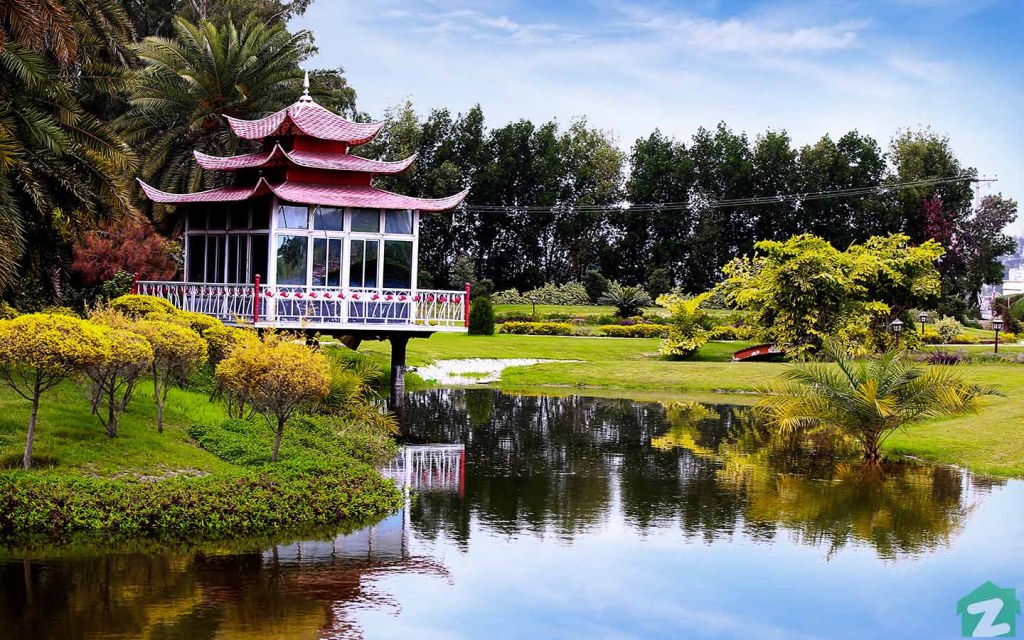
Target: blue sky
column 631, row 66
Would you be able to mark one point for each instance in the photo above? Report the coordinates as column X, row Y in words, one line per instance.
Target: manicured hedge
column 227, row 504
column 537, row 328
column 634, row 331
column 728, row 332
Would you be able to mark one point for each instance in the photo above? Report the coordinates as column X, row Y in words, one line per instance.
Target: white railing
column 315, row 307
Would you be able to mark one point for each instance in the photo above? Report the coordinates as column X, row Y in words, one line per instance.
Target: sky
column 630, row 67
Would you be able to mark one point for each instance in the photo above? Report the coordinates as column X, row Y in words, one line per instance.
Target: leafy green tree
column 804, row 291
column 188, row 83
column 596, row 284
column 62, row 168
column 867, row 400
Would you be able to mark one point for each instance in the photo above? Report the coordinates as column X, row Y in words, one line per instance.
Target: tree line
column 512, row 170
column 96, row 94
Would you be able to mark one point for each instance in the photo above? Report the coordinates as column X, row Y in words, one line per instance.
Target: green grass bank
column 991, row 442
column 204, row 478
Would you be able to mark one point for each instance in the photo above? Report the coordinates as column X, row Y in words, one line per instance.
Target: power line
column 809, row 196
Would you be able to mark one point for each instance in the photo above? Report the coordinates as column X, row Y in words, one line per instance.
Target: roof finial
column 305, row 90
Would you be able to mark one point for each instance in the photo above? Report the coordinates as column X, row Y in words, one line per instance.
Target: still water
column 572, row 517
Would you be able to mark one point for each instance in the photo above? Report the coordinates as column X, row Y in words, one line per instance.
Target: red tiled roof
column 306, row 118
column 310, row 159
column 305, row 193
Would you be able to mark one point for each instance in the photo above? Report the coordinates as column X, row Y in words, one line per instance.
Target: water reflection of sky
column 616, row 577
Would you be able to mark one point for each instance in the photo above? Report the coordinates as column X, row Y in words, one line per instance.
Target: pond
column 571, row 517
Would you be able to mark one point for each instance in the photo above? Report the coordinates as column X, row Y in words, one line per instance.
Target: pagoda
column 304, row 241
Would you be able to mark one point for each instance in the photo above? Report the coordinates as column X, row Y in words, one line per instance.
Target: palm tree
column 61, row 165
column 628, row 300
column 188, row 83
column 867, row 400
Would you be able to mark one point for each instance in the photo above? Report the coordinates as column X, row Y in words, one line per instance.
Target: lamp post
column 533, row 301
column 923, row 317
column 897, row 327
column 997, row 324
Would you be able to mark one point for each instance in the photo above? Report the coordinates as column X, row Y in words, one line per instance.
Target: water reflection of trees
column 562, row 465
column 289, row 591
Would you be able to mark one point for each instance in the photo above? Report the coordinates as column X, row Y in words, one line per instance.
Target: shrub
column 595, row 284
column 659, row 282
column 944, row 357
column 350, row 392
column 137, row 307
column 177, row 351
column 689, row 325
column 728, row 332
column 538, row 328
column 275, row 377
column 948, row 329
column 481, row 317
column 119, row 284
column 7, row 312
column 126, row 356
column 962, row 338
column 133, row 246
column 508, row 296
column 635, row 331
column 627, row 300
column 38, row 351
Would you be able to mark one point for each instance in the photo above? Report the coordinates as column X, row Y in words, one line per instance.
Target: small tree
column 40, row 350
column 177, row 351
column 689, row 325
column 276, row 377
column 126, row 356
column 628, row 301
column 481, row 317
column 131, row 246
column 866, row 400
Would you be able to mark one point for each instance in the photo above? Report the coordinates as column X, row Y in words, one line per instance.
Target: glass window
column 328, row 219
column 197, row 217
column 291, row 259
column 216, row 248
column 261, row 215
column 397, row 264
column 258, row 262
column 327, row 262
column 217, row 216
column 363, row 264
column 195, row 269
column 238, row 258
column 398, row 222
column 290, row 216
column 239, row 215
column 366, row 220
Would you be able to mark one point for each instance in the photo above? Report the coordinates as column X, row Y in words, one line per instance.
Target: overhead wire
column 809, row 196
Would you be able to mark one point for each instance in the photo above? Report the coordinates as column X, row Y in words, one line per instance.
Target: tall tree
column 190, row 82
column 62, row 167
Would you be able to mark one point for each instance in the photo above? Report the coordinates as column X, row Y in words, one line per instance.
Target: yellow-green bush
column 274, row 375
column 39, row 350
column 7, row 312
column 137, row 306
column 689, row 326
column 729, row 332
column 126, row 357
column 634, row 331
column 537, row 328
column 177, row 351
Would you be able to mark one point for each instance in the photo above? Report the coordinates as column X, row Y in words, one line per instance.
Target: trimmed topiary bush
column 635, row 330
column 481, row 317
column 136, row 306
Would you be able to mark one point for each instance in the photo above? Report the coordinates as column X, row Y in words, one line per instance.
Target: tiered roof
column 314, row 162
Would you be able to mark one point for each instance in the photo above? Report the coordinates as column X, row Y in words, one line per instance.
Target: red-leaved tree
column 132, row 246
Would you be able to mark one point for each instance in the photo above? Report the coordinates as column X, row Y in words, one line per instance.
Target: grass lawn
column 992, row 442
column 69, row 434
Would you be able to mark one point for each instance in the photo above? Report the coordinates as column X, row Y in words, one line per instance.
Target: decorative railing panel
column 315, row 306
